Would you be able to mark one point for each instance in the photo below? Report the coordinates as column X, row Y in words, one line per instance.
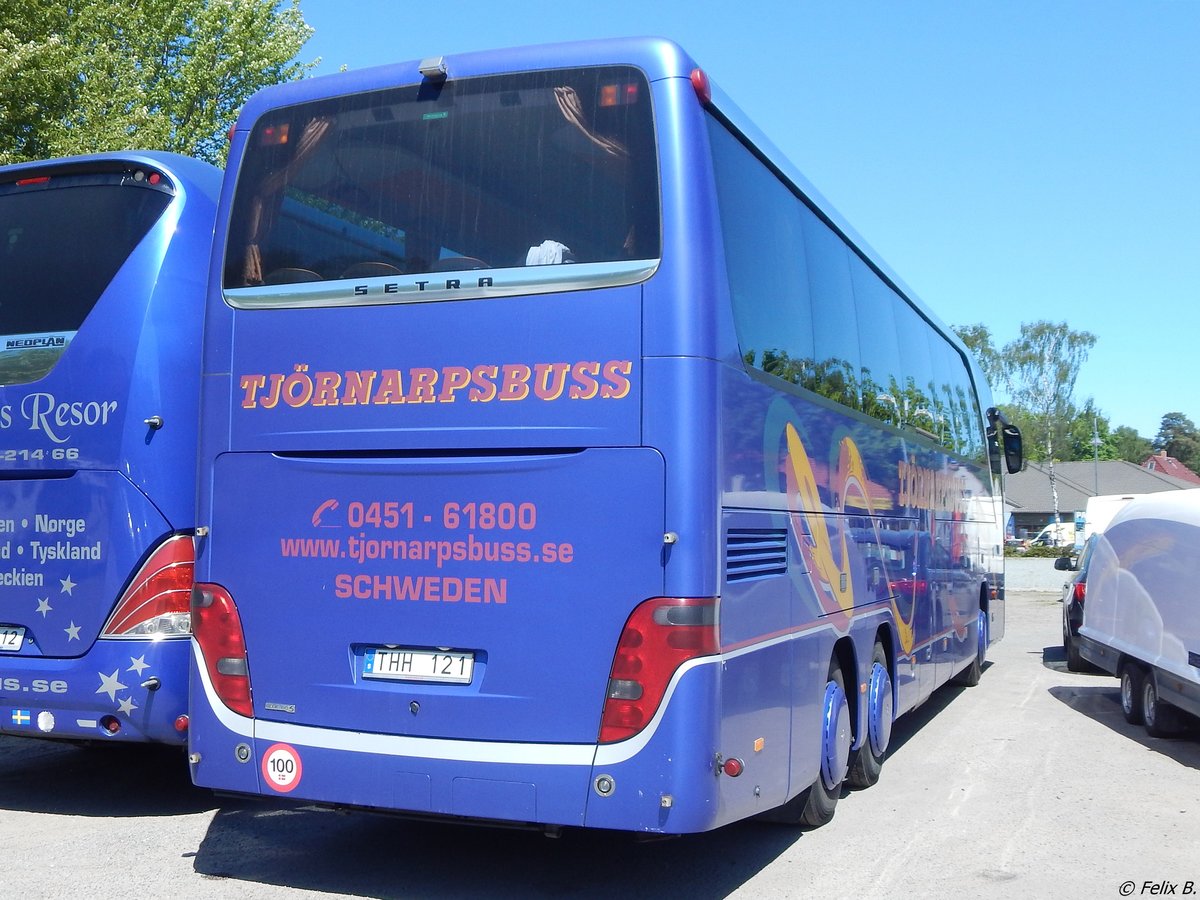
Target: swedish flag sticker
column 20, row 717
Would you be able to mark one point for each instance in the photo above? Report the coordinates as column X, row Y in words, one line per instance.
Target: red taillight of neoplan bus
column 660, row 635
column 155, row 604
column 217, row 628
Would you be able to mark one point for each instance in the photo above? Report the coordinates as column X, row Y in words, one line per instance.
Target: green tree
column 978, row 339
column 1127, row 444
column 1177, row 435
column 81, row 76
column 1042, row 365
column 1086, row 434
column 1070, row 433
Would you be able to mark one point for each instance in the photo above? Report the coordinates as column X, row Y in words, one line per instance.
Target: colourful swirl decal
column 830, row 572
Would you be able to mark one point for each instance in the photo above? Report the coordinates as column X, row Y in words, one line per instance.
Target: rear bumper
column 142, row 685
column 532, row 784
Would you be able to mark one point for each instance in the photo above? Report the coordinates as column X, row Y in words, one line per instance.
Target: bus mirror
column 1008, row 435
column 1014, row 456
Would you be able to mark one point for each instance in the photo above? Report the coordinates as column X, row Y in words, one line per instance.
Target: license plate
column 405, row 664
column 11, row 638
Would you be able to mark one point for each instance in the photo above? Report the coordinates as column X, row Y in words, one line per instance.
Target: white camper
column 1141, row 621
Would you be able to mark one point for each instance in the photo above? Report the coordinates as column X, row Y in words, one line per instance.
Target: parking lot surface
column 1030, row 785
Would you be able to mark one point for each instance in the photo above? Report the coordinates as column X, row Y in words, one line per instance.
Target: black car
column 1074, row 592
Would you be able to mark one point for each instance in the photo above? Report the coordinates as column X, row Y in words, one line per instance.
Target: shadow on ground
column 363, row 854
column 97, row 779
column 1098, row 696
column 369, row 855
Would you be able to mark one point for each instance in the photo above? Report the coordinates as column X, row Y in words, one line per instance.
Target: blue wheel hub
column 985, row 636
column 879, row 709
column 836, row 736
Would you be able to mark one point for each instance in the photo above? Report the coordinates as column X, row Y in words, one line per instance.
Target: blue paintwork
column 696, row 448
column 138, row 353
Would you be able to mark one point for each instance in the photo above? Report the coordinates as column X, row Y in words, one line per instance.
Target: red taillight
column 906, row 586
column 1080, row 591
column 43, row 179
column 702, row 86
column 156, row 602
column 660, row 635
column 217, row 628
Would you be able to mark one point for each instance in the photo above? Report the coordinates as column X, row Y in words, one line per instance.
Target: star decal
column 44, row 606
column 67, row 586
column 139, row 665
column 110, row 684
column 127, row 706
column 72, row 631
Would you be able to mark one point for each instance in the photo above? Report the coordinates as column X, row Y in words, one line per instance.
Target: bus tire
column 820, row 800
column 814, row 806
column 868, row 759
column 969, row 677
column 1160, row 717
column 1131, row 693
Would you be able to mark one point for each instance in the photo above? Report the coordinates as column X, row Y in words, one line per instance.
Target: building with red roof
column 1169, row 465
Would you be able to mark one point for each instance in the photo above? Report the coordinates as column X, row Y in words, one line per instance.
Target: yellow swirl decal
column 832, row 580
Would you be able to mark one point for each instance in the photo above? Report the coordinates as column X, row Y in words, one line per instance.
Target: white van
column 1056, row 534
column 1141, row 620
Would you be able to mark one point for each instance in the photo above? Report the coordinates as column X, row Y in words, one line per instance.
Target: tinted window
column 808, row 309
column 529, row 169
column 883, row 369
column 837, row 366
column 954, row 399
column 764, row 258
column 63, row 236
column 914, row 334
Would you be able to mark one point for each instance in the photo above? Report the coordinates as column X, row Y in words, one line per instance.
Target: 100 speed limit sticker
column 281, row 767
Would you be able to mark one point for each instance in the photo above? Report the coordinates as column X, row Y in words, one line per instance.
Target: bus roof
column 189, row 173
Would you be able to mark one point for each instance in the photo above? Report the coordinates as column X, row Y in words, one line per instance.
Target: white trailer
column 1141, row 621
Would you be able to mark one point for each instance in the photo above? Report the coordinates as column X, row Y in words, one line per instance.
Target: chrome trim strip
column 472, row 284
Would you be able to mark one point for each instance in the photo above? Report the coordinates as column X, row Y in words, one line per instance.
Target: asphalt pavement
column 1029, row 785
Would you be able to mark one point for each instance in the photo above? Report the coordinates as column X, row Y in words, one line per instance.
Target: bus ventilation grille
column 755, row 553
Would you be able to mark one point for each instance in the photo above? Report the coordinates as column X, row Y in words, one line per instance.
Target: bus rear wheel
column 815, row 805
column 868, row 760
column 820, row 800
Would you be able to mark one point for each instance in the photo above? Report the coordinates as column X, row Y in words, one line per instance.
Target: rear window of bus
column 541, row 168
column 63, row 236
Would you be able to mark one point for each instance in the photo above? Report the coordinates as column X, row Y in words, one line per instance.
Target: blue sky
column 1012, row 161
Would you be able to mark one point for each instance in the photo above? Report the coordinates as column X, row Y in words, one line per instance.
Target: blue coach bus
column 565, row 460
column 102, row 270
